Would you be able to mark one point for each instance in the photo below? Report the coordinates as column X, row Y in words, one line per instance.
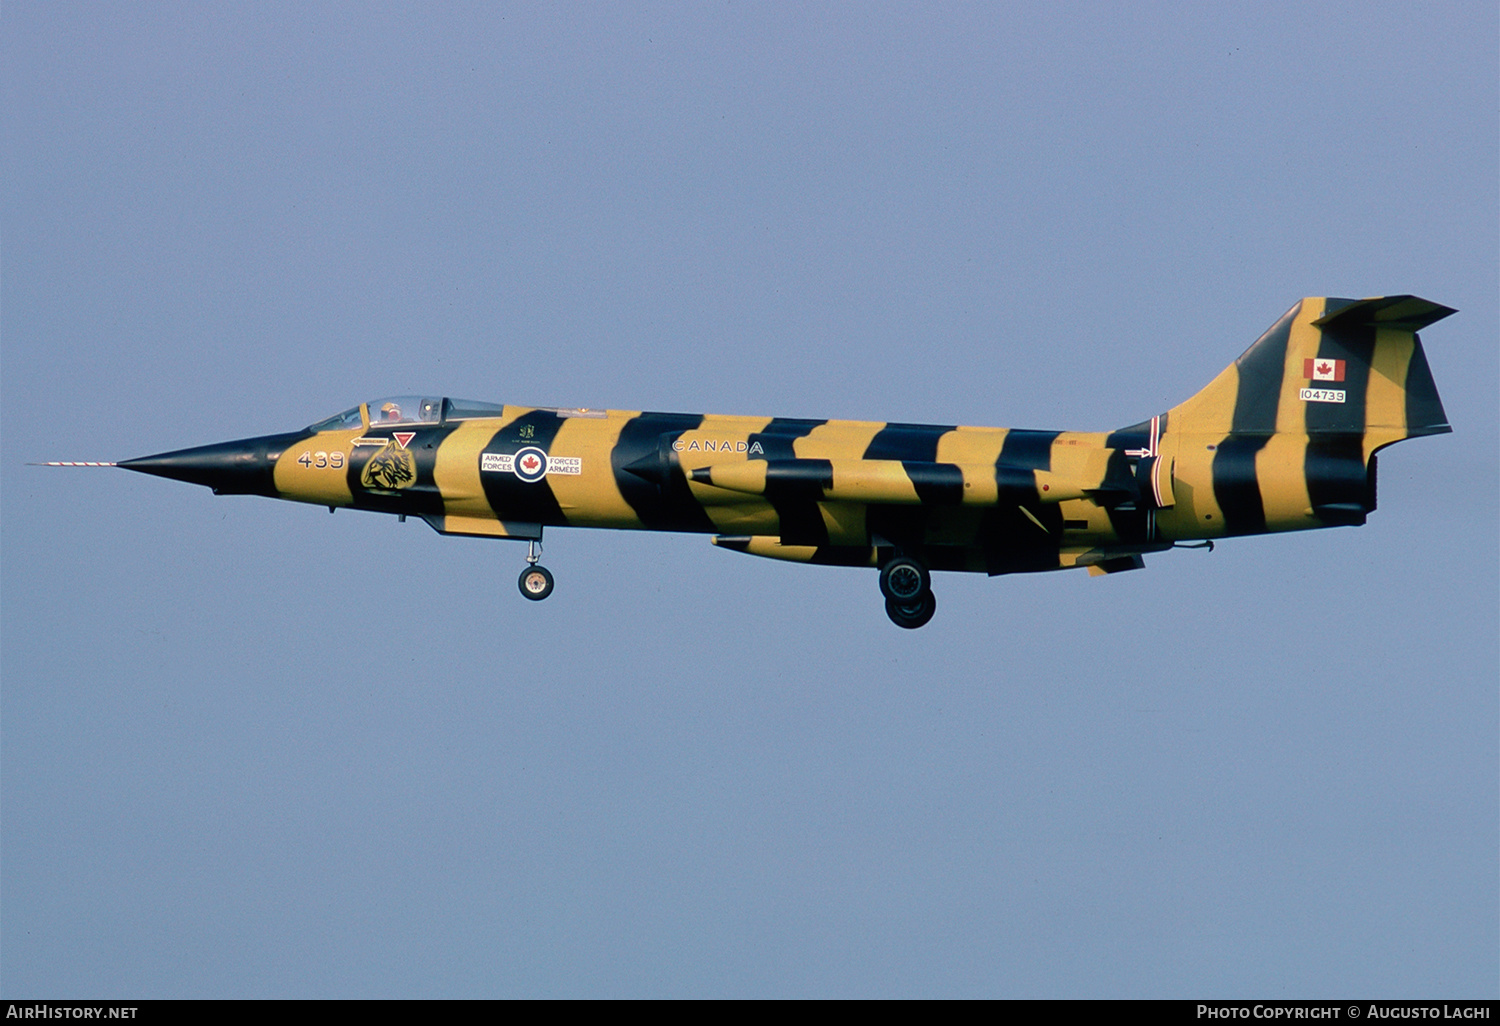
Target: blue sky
column 248, row 749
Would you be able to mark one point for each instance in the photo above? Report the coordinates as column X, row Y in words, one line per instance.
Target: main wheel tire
column 904, row 579
column 912, row 615
column 536, row 583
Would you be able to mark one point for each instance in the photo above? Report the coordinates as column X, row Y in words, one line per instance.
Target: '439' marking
column 320, row 460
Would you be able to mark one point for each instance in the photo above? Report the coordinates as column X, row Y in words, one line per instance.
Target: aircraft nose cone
column 229, row 468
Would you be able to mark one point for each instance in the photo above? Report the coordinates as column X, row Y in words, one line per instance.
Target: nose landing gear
column 907, row 587
column 536, row 580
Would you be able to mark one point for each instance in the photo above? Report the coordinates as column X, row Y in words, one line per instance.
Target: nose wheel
column 907, row 587
column 536, row 583
column 536, row 580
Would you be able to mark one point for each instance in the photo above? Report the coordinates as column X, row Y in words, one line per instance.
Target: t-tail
column 1285, row 438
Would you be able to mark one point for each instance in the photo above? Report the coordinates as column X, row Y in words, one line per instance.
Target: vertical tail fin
column 1329, row 366
column 1293, row 425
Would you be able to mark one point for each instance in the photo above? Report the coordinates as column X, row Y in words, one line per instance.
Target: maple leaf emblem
column 530, row 463
column 1325, row 367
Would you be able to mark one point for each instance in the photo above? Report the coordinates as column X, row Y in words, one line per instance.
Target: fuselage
column 983, row 499
column 1283, row 439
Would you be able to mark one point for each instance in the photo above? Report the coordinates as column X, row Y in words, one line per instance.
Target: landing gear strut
column 907, row 587
column 536, row 580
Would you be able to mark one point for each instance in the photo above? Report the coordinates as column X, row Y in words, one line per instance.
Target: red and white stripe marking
column 73, row 463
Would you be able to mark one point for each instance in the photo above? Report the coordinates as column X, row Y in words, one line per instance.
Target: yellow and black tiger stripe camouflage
column 1284, row 439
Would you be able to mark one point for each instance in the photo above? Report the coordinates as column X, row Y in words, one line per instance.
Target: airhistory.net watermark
column 56, row 1010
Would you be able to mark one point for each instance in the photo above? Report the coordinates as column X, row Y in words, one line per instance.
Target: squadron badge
column 390, row 470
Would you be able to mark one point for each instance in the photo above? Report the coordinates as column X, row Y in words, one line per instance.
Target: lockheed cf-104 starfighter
column 1284, row 439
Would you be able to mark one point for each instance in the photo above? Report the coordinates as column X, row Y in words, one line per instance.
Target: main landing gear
column 907, row 587
column 536, row 580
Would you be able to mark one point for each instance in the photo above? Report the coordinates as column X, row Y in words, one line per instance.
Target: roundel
column 530, row 464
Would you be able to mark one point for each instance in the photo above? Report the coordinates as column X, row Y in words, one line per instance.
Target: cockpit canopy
column 405, row 409
column 409, row 409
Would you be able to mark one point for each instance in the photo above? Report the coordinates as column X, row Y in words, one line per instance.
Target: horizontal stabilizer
column 1400, row 313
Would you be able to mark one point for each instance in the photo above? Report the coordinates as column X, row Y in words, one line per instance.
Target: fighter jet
column 1284, row 439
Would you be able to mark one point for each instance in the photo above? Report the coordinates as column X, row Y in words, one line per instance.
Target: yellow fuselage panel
column 591, row 498
column 456, row 469
column 317, row 470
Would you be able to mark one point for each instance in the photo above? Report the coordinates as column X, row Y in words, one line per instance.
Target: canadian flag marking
column 1320, row 369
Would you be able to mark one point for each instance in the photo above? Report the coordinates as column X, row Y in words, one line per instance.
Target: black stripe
column 797, row 509
column 1136, row 436
column 915, row 445
column 1028, row 450
column 1130, row 523
column 1333, row 304
column 903, row 526
column 1338, row 485
column 1355, row 345
column 668, row 507
column 937, row 484
column 1261, row 370
column 1236, row 488
column 509, row 496
column 422, row 498
column 776, row 438
column 798, row 480
column 794, row 488
column 916, row 442
column 1012, row 542
column 1424, row 410
column 246, row 466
